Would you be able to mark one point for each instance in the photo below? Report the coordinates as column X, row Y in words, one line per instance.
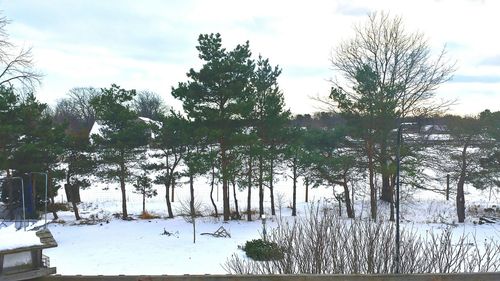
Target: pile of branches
column 323, row 243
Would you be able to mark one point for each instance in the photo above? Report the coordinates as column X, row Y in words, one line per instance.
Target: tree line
column 236, row 129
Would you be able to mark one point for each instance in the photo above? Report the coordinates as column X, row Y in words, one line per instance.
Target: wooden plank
column 28, row 274
column 491, row 276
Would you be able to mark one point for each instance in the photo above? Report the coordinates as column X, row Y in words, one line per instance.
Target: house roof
column 46, row 241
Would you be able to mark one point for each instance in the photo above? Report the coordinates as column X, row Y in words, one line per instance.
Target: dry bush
column 148, row 216
column 57, row 207
column 323, row 243
column 184, row 209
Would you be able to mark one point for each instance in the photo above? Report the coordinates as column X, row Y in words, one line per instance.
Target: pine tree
column 171, row 143
column 219, row 98
column 143, row 185
column 78, row 155
column 270, row 119
column 122, row 137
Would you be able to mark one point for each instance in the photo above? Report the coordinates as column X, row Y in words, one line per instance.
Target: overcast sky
column 151, row 44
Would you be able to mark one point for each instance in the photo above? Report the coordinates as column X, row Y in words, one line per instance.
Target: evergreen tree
column 143, row 186
column 391, row 69
column 490, row 164
column 171, row 141
column 331, row 160
column 270, row 119
column 463, row 154
column 219, row 97
column 121, row 138
column 32, row 147
column 80, row 160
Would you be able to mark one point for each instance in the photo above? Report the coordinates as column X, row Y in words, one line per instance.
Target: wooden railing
column 495, row 276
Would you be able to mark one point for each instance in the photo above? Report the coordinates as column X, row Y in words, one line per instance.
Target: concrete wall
column 403, row 277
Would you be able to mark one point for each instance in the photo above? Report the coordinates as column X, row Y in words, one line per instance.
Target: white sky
column 151, row 44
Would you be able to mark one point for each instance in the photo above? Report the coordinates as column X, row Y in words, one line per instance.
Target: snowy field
column 112, row 246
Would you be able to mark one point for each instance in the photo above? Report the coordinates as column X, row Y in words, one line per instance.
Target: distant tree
column 79, row 157
column 294, row 152
column 10, row 126
column 171, row 142
column 333, row 161
column 122, row 136
column 16, row 65
column 150, row 105
column 76, row 109
column 143, row 186
column 463, row 153
column 490, row 164
column 196, row 163
column 270, row 117
column 219, row 97
column 389, row 74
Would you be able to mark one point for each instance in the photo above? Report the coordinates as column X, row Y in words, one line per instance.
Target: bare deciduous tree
column 149, row 104
column 16, row 64
column 386, row 74
column 76, row 109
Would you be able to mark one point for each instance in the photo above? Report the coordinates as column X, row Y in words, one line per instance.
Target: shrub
column 320, row 242
column 261, row 250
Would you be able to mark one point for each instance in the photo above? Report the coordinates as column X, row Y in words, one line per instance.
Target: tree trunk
column 70, row 194
column 191, row 206
column 225, row 184
column 261, row 189
column 386, row 192
column 75, row 210
column 167, row 199
column 33, row 195
column 212, row 193
column 122, row 187
column 167, row 183
column 347, row 198
column 54, row 212
column 143, row 202
column 373, row 190
column 249, row 197
column 271, row 188
column 294, row 193
column 391, row 202
column 460, row 185
column 74, row 203
column 237, row 211
column 339, row 199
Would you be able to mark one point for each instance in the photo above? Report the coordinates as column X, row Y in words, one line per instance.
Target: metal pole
column 24, row 206
column 398, row 161
column 46, row 199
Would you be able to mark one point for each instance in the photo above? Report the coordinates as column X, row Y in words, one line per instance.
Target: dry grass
column 148, row 216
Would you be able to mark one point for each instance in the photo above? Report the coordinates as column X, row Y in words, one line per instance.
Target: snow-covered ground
column 112, row 246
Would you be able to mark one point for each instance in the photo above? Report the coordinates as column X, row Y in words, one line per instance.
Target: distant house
column 21, row 258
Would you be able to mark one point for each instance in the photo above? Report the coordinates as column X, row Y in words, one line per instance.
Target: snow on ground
column 112, row 246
